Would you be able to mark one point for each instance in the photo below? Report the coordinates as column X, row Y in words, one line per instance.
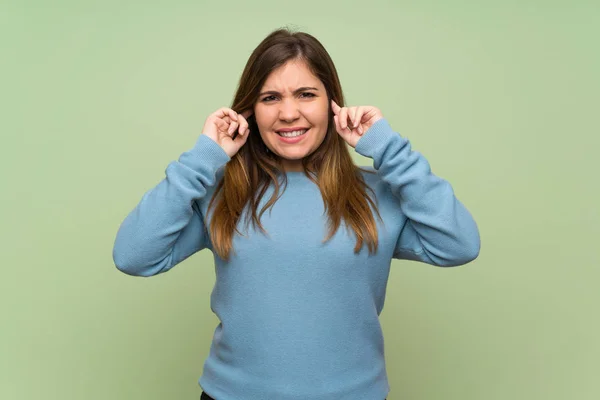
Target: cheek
column 262, row 115
column 318, row 114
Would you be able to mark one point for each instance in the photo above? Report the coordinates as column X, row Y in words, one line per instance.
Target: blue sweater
column 298, row 318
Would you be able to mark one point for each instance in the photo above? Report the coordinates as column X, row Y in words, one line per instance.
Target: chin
column 294, row 156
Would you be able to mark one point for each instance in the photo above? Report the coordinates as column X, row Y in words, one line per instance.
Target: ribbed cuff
column 376, row 137
column 206, row 152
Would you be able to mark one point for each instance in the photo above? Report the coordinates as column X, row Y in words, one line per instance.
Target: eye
column 272, row 97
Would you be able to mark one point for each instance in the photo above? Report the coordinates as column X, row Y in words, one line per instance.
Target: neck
column 292, row 165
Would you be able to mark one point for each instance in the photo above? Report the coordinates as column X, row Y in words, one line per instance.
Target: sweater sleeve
column 439, row 230
column 166, row 226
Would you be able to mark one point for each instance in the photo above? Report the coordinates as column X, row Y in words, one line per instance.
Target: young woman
column 302, row 237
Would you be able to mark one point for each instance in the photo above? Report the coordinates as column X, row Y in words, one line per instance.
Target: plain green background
column 501, row 97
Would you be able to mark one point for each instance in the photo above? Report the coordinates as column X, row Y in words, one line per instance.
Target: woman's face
column 292, row 98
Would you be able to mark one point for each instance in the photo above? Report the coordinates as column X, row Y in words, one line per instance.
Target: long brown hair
column 253, row 168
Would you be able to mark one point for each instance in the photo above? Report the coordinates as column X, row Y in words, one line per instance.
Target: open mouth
column 293, row 134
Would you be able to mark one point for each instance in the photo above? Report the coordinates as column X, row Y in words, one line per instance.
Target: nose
column 288, row 110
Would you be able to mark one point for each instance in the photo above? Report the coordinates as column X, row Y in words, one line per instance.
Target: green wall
column 502, row 98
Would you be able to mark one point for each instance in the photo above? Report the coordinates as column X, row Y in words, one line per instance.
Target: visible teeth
column 293, row 133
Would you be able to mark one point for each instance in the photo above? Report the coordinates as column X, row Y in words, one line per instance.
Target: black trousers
column 204, row 396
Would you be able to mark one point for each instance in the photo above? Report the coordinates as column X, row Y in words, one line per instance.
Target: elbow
column 126, row 265
column 123, row 265
column 134, row 266
column 123, row 256
column 470, row 247
column 126, row 269
column 469, row 251
column 133, row 270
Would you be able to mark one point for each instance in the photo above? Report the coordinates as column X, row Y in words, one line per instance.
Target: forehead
column 292, row 75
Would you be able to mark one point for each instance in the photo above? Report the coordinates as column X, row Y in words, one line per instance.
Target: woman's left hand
column 352, row 122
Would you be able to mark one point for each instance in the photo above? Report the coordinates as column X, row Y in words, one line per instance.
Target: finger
column 336, row 121
column 232, row 114
column 241, row 139
column 335, row 108
column 344, row 118
column 352, row 116
column 358, row 115
column 358, row 119
column 232, row 127
column 221, row 125
column 243, row 124
column 224, row 111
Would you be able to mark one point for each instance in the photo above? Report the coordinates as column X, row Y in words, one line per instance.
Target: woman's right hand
column 221, row 125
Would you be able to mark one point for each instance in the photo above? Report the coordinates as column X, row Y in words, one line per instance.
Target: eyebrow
column 302, row 89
